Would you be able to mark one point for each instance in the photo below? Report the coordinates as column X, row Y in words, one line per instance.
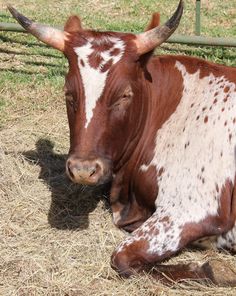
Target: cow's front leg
column 126, row 211
column 160, row 237
column 129, row 216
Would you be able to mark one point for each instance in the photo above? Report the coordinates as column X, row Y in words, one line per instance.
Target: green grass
column 24, row 60
column 2, row 104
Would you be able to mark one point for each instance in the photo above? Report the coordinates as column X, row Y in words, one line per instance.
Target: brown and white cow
column 162, row 129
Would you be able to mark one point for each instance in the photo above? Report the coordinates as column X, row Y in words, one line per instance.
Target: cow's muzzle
column 88, row 172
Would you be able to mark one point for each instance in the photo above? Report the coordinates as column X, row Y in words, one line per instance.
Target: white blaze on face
column 94, row 79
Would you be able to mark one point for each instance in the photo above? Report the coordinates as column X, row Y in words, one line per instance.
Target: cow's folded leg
column 134, row 260
column 179, row 272
column 157, row 239
column 213, row 271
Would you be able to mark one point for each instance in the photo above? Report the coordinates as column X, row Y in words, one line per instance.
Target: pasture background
column 55, row 237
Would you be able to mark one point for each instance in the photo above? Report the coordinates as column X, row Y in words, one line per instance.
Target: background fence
column 181, row 39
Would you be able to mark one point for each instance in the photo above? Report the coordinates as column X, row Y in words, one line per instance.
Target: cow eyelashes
column 124, row 101
column 128, row 94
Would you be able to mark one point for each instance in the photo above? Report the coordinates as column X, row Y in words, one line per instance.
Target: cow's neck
column 154, row 94
column 158, row 102
column 137, row 122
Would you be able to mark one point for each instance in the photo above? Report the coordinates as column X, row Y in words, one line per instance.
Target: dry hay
column 56, row 238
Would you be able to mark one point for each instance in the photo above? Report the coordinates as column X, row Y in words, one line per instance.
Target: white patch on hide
column 228, row 240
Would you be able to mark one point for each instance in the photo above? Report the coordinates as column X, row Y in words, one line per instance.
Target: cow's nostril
column 70, row 172
column 95, row 170
column 92, row 172
column 99, row 167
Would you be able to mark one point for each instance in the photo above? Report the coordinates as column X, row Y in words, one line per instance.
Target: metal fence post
column 198, row 18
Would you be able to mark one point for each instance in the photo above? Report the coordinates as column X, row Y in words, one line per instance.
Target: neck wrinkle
column 135, row 141
column 146, row 139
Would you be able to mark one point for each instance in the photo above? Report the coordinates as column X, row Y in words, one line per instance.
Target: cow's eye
column 124, row 101
column 128, row 94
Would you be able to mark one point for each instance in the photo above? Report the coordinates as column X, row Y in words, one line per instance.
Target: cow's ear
column 73, row 24
column 155, row 21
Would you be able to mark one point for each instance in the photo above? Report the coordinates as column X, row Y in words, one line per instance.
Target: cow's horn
column 51, row 36
column 147, row 41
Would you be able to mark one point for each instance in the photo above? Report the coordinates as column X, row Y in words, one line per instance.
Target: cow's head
column 104, row 94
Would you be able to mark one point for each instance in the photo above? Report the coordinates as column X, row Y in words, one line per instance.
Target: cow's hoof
column 120, row 264
column 220, row 273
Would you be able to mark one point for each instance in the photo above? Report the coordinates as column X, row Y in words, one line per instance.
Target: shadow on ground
column 70, row 203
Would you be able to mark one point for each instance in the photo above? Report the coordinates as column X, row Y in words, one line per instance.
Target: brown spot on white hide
column 115, row 52
column 206, row 119
column 95, row 60
column 107, row 66
column 102, row 45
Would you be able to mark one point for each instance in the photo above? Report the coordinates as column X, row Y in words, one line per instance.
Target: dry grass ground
column 56, row 238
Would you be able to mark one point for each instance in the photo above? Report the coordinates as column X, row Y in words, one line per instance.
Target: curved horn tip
column 175, row 19
column 10, row 7
column 12, row 10
column 147, row 41
column 24, row 21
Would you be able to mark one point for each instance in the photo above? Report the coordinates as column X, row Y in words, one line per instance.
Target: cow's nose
column 87, row 172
